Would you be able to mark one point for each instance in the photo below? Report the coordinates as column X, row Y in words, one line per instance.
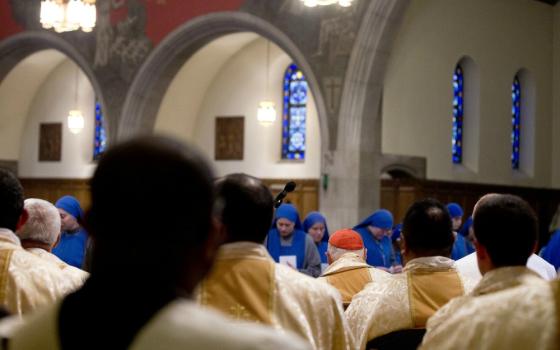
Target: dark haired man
column 144, row 268
column 512, row 307
column 429, row 279
column 247, row 284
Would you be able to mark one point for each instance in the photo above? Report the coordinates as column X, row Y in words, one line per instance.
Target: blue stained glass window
column 100, row 138
column 515, row 122
column 294, row 113
column 457, row 133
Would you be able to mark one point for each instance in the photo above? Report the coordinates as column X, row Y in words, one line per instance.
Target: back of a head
column 507, row 227
column 247, row 207
column 345, row 241
column 43, row 222
column 152, row 200
column 11, row 199
column 427, row 229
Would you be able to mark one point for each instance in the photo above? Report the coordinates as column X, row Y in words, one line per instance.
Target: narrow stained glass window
column 515, row 122
column 294, row 113
column 100, row 138
column 457, row 133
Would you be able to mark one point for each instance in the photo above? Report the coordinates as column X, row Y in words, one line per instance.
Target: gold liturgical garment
column 350, row 274
column 27, row 281
column 247, row 284
column 405, row 300
column 511, row 308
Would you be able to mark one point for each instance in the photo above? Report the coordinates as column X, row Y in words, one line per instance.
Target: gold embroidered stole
column 5, row 256
column 350, row 282
column 241, row 288
column 429, row 290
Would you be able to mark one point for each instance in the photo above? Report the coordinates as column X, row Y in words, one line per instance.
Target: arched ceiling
column 17, row 91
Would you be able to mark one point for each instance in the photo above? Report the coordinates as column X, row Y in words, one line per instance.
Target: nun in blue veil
column 288, row 244
column 315, row 224
column 376, row 230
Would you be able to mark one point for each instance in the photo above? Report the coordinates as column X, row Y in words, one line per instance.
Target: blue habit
column 459, row 248
column 551, row 252
column 311, row 219
column 297, row 248
column 275, row 249
column 379, row 253
column 72, row 247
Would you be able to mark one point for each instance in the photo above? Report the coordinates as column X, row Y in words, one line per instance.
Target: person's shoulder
column 388, row 290
column 378, row 274
column 542, row 267
column 39, row 331
column 295, row 282
column 183, row 324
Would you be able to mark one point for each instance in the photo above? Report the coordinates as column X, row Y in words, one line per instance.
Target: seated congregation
column 218, row 267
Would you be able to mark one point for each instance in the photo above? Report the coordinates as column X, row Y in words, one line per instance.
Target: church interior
column 363, row 104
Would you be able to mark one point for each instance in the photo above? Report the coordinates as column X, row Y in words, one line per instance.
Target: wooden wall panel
column 305, row 197
column 52, row 189
column 404, row 192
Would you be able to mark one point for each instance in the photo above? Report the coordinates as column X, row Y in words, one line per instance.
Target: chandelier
column 266, row 113
column 68, row 15
column 75, row 118
column 313, row 3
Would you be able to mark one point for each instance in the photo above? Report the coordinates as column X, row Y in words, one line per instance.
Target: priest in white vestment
column 512, row 307
column 428, row 281
column 40, row 234
column 246, row 284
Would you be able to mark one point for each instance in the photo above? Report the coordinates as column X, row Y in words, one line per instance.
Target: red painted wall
column 162, row 15
column 7, row 25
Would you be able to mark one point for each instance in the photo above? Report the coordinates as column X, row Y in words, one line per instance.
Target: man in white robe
column 512, row 307
column 40, row 234
column 246, row 284
column 429, row 280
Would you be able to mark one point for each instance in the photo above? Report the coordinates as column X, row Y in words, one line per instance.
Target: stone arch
column 354, row 167
column 154, row 76
column 19, row 46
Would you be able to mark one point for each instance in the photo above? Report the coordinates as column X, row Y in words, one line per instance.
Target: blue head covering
column 396, row 232
column 455, row 210
column 313, row 218
column 464, row 230
column 70, row 205
column 382, row 218
column 289, row 212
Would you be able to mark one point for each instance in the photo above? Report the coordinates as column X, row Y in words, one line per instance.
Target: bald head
column 506, row 226
column 246, row 207
column 43, row 223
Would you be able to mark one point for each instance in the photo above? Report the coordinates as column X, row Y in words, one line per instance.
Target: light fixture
column 313, row 3
column 68, row 15
column 75, row 118
column 266, row 113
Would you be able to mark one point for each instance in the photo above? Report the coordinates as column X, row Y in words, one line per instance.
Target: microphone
column 290, row 187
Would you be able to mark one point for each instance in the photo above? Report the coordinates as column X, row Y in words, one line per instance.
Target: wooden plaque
column 229, row 138
column 50, row 142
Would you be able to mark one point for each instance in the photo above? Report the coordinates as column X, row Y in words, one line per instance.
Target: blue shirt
column 379, row 253
column 551, row 252
column 72, row 248
column 459, row 248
